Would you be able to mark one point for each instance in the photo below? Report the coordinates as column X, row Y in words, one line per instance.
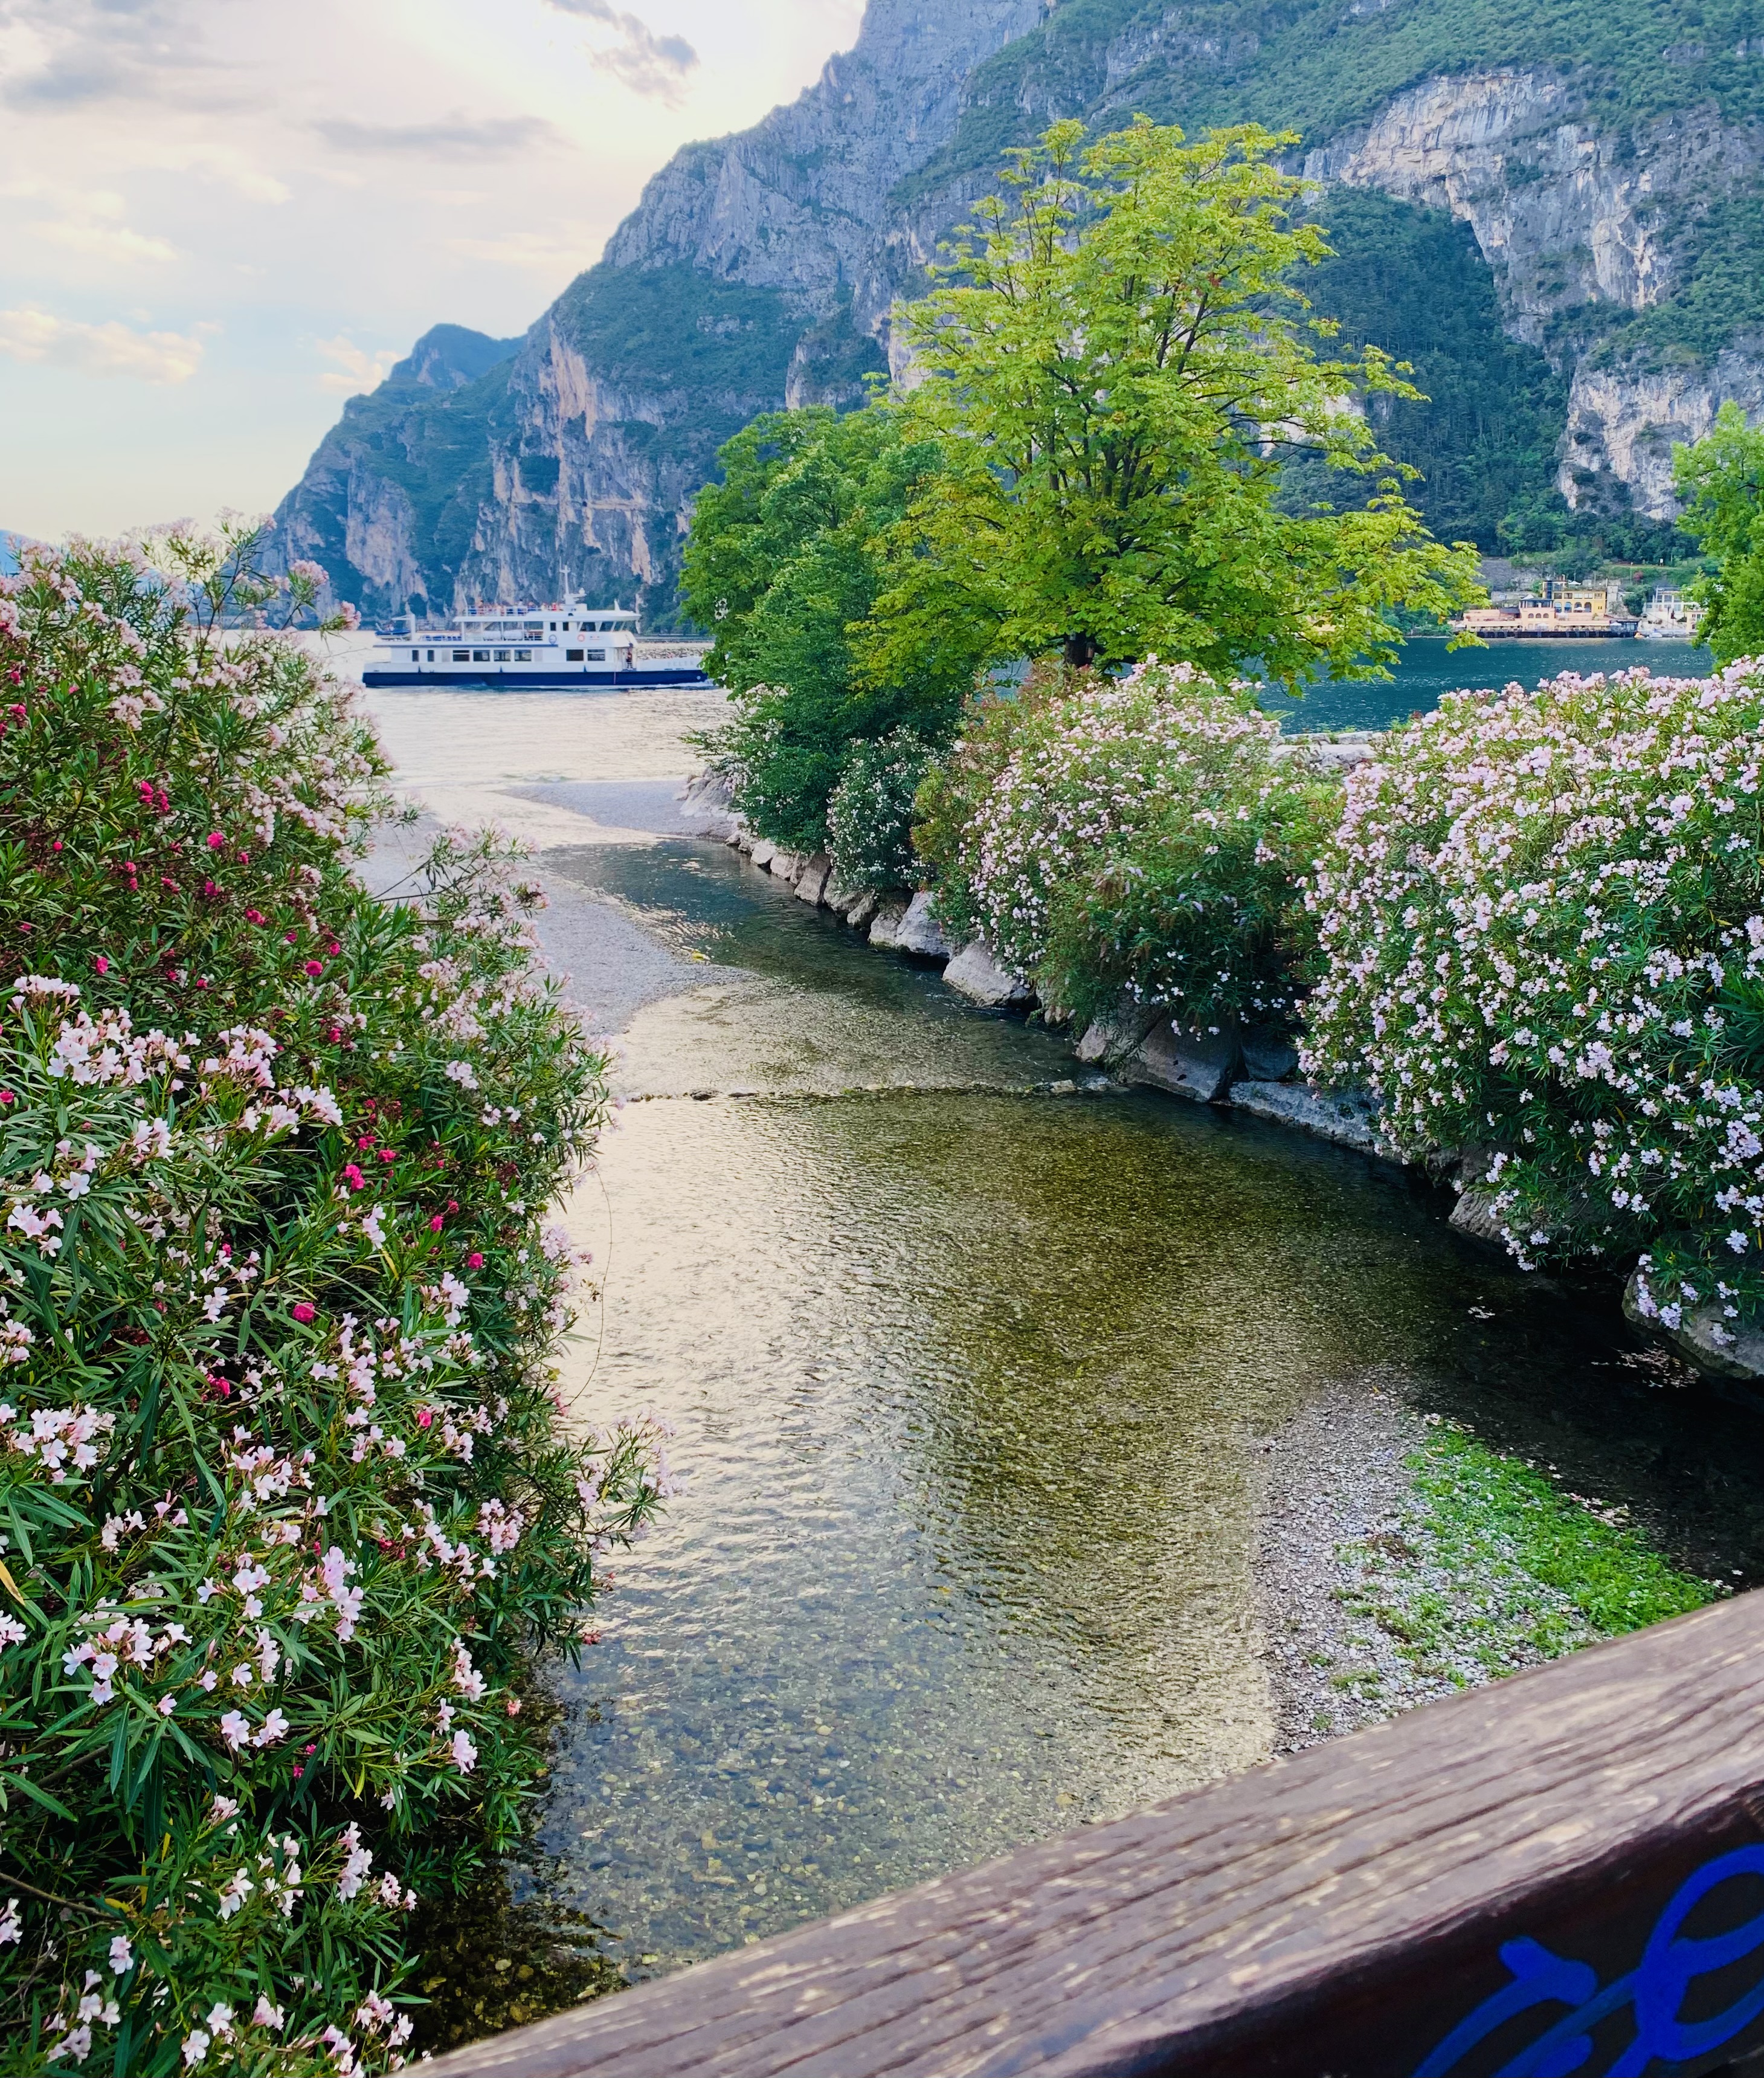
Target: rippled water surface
column 1426, row 668
column 968, row 1379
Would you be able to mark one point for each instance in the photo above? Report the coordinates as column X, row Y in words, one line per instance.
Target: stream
column 968, row 1363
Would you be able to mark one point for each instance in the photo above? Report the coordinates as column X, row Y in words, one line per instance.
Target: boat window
column 481, row 656
column 523, row 656
column 501, row 656
column 462, row 656
column 572, row 656
column 415, row 658
column 597, row 656
column 607, row 627
column 431, row 657
column 554, row 628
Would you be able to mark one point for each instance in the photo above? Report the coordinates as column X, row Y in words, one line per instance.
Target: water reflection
column 968, row 1385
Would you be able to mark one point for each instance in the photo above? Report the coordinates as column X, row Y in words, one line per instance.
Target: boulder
column 1474, row 1215
column 921, row 934
column 1110, row 1037
column 838, row 895
column 1349, row 1117
column 744, row 840
column 1268, row 1056
column 787, row 865
column 1187, row 1064
column 1704, row 1337
column 764, row 852
column 816, row 872
column 885, row 927
column 975, row 973
column 862, row 912
column 707, row 805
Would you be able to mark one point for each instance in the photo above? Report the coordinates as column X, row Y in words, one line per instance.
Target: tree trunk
column 1080, row 653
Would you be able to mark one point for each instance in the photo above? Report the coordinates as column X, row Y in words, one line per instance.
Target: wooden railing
column 1563, row 1873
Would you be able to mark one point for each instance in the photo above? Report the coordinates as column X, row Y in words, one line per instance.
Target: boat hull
column 519, row 681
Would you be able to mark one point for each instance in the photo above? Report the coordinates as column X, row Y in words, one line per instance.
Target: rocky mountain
column 1555, row 210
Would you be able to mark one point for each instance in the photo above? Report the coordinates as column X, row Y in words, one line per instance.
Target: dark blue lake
column 1428, row 668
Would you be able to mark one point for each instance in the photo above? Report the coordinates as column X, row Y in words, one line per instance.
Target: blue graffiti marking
column 1656, row 1988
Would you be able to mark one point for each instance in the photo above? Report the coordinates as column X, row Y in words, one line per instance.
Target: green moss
column 1492, row 1567
column 1474, row 1500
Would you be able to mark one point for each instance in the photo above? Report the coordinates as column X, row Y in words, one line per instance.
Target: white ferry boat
column 517, row 650
column 1670, row 617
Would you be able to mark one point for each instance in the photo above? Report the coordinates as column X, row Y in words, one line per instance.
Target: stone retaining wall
column 1251, row 1071
column 1256, row 1071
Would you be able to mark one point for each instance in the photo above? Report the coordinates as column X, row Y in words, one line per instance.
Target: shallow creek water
column 969, row 1378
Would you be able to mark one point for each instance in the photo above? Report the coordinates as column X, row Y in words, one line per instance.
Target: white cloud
column 555, row 254
column 455, row 137
column 219, row 162
column 647, row 63
column 33, row 334
column 359, row 370
column 84, row 220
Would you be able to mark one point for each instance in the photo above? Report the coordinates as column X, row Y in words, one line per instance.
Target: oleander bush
column 1541, row 935
column 1139, row 839
column 286, row 1505
column 870, row 814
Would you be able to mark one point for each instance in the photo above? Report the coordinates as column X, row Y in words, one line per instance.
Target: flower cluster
column 1144, row 839
column 1542, row 925
column 869, row 813
column 279, row 1452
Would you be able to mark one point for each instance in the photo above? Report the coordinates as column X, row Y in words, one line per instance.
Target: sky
column 223, row 217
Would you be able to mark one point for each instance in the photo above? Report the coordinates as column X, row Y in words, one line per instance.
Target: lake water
column 968, row 1377
column 1426, row 668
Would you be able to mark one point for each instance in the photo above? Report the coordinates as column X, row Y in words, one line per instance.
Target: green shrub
column 784, row 562
column 1541, row 927
column 870, row 817
column 1140, row 838
column 285, row 1504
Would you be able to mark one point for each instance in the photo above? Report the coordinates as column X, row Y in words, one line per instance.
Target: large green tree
column 784, row 560
column 1721, row 479
column 1115, row 367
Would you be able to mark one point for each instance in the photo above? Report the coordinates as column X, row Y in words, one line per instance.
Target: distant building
column 1670, row 617
column 1561, row 609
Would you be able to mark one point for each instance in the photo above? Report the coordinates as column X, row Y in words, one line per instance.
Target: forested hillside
column 1555, row 211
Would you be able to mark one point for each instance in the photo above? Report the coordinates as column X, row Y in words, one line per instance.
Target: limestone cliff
column 1579, row 218
column 1608, row 161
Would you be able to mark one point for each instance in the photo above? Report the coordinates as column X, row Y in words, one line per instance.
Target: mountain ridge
column 1606, row 163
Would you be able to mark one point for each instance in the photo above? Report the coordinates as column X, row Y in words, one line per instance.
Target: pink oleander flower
column 304, row 1311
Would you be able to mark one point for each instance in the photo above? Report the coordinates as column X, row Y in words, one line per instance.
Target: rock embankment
column 1245, row 1068
column 1255, row 1070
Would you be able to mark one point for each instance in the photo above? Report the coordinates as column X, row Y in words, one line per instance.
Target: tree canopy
column 1114, row 366
column 784, row 563
column 1722, row 480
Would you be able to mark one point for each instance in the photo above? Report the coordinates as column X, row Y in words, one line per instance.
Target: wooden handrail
column 1561, row 1873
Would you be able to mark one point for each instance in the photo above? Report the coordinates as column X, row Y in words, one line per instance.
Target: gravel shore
column 1336, row 1476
